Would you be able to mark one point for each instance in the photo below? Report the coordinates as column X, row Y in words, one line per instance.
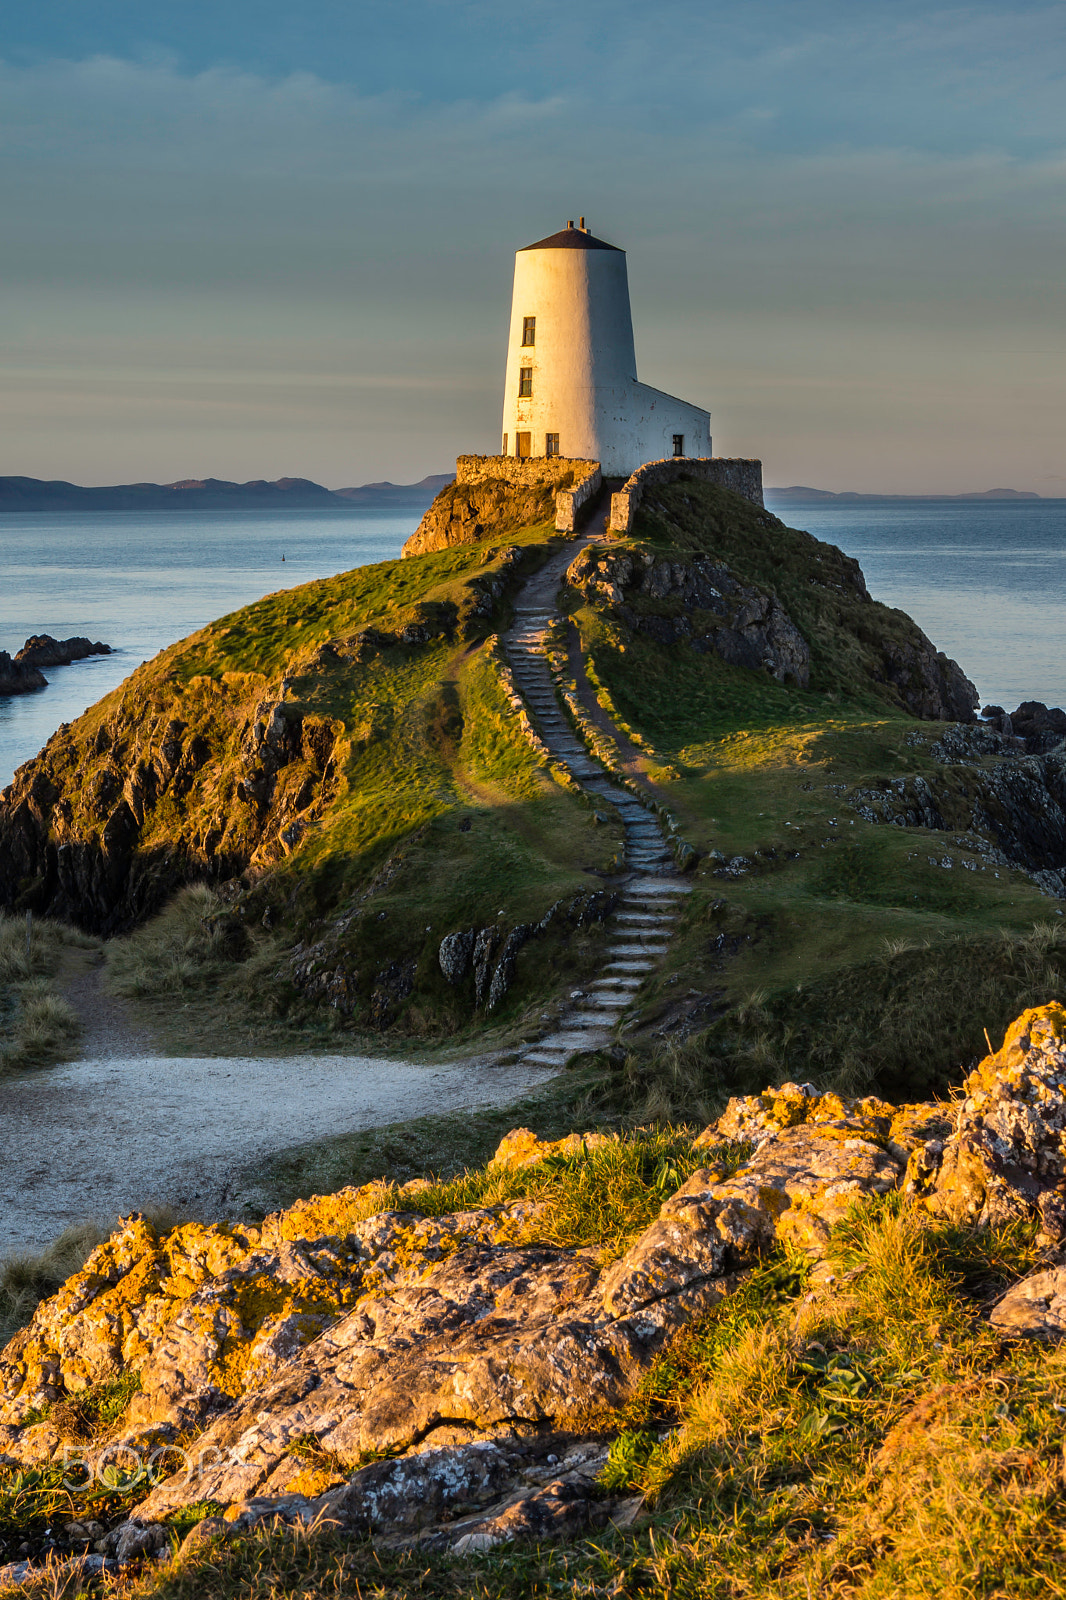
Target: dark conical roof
column 571, row 238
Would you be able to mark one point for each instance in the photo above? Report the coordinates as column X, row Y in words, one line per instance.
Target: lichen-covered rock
column 485, row 1365
column 1005, row 1157
column 203, row 1312
column 522, row 1148
column 1034, row 1308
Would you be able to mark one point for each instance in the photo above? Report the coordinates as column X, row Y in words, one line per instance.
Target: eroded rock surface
column 1034, row 1308
column 697, row 600
column 486, row 1363
column 1005, row 1156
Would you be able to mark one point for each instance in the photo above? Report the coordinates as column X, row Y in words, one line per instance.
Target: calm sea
column 987, row 582
column 139, row 581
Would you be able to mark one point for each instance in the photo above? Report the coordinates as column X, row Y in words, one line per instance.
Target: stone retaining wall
column 532, row 470
column 728, row 472
column 568, row 502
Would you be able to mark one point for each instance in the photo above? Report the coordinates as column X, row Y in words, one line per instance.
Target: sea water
column 138, row 581
column 986, row 581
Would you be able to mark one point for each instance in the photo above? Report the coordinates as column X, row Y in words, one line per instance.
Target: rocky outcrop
column 24, row 673
column 19, row 677
column 41, row 650
column 73, row 822
column 489, row 955
column 492, row 494
column 1039, row 727
column 487, row 1365
column 192, row 771
column 1013, row 809
column 1004, row 1158
column 929, row 684
column 698, row 601
column 1035, row 1308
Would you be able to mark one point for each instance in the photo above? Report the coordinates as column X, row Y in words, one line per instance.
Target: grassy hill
column 340, row 766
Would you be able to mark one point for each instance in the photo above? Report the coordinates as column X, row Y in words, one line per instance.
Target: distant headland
column 214, row 494
column 800, row 494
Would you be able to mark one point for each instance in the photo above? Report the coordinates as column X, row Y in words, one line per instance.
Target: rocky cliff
column 481, row 1360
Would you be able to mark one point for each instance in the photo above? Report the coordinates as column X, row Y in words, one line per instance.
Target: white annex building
column 572, row 387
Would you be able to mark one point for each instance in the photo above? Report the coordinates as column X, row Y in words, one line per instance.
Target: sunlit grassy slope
column 836, row 949
column 439, row 816
column 840, row 950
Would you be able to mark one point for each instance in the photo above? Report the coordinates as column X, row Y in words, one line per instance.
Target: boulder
column 1005, row 1156
column 1034, row 1308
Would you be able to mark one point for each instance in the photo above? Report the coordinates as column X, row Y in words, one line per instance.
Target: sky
column 248, row 239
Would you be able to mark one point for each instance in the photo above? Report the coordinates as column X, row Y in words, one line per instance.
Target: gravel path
column 104, row 1137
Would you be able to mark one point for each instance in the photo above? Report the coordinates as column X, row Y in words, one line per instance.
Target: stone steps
column 641, row 928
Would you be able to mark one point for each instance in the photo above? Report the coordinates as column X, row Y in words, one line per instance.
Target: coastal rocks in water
column 699, row 601
column 41, row 650
column 24, row 673
column 1039, row 727
column 19, row 677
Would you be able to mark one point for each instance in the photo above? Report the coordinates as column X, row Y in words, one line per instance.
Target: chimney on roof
column 582, row 226
column 570, row 223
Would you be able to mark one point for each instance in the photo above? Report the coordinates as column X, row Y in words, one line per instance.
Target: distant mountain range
column 799, row 494
column 215, row 494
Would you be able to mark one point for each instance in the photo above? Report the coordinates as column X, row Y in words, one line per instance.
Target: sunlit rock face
column 489, row 1365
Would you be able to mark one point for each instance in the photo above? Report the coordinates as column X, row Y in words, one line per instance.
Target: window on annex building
column 525, row 382
column 551, row 444
column 679, row 444
column 529, row 330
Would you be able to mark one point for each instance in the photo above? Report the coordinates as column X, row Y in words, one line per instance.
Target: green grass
column 437, row 817
column 907, row 1021
column 840, row 950
column 38, row 1027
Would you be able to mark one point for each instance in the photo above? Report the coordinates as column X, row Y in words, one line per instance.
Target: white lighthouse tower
column 572, row 387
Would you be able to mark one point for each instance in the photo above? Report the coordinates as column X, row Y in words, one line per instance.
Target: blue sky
column 252, row 240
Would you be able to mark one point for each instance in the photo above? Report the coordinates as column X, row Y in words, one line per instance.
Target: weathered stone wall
column 492, row 494
column 533, row 470
column 728, row 472
column 568, row 502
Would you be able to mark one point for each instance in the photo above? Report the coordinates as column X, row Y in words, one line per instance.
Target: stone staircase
column 651, row 890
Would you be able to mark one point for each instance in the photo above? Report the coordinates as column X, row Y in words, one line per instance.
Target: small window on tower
column 679, row 444
column 529, row 330
column 551, row 444
column 505, row 444
column 525, row 382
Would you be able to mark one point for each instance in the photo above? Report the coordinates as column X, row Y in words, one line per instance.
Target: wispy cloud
column 802, row 184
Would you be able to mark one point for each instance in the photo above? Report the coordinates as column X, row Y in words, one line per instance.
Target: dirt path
column 108, row 1028
column 99, row 1138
